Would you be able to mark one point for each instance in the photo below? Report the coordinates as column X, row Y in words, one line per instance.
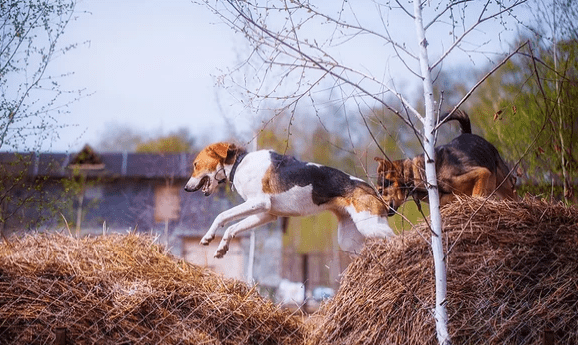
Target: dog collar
column 223, row 179
column 238, row 160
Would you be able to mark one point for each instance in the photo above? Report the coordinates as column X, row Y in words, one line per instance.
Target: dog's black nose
column 391, row 211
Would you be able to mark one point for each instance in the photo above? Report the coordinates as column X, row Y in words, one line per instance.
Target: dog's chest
column 248, row 178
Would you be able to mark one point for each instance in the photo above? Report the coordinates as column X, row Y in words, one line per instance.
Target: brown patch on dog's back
column 328, row 185
column 365, row 198
column 270, row 183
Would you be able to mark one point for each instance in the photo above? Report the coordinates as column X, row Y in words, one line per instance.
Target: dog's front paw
column 221, row 251
column 206, row 240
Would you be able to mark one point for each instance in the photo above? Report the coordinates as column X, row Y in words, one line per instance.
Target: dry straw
column 512, row 279
column 126, row 290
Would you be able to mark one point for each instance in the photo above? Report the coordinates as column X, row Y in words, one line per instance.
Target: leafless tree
column 31, row 96
column 302, row 49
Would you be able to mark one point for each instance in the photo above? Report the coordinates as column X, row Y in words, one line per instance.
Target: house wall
column 129, row 203
column 127, row 191
column 232, row 266
column 267, row 259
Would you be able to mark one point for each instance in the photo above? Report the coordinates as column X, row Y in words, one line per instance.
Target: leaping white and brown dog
column 275, row 185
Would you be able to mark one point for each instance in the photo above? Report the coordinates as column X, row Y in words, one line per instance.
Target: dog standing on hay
column 468, row 165
column 275, row 185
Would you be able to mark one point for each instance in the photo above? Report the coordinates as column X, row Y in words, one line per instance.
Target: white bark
column 440, row 313
column 280, row 39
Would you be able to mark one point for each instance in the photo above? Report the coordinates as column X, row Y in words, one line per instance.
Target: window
column 167, row 203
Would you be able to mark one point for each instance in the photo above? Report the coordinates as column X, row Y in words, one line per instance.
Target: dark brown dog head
column 391, row 183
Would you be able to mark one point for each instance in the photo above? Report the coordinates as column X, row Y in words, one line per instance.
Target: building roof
column 113, row 164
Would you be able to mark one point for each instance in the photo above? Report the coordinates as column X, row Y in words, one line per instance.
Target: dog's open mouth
column 205, row 184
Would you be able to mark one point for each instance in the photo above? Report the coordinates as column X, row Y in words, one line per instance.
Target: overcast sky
column 152, row 65
column 149, row 65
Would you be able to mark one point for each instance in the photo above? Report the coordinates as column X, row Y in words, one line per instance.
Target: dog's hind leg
column 371, row 225
column 349, row 238
column 476, row 182
column 482, row 185
column 246, row 224
column 369, row 214
column 248, row 208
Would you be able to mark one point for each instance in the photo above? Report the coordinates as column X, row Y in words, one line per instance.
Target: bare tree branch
column 480, row 20
column 469, row 93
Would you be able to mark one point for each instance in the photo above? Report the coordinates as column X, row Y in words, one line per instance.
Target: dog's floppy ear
column 221, row 149
column 231, row 154
column 225, row 151
column 384, row 165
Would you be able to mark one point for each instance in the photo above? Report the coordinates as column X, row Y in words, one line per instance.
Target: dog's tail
column 462, row 117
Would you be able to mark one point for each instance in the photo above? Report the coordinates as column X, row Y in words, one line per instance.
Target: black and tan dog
column 468, row 165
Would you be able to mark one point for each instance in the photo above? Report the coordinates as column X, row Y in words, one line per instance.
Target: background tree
column 119, row 138
column 122, row 138
column 179, row 141
column 30, row 97
column 31, row 32
column 532, row 103
column 295, row 57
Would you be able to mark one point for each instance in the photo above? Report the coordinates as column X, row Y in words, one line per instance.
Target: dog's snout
column 193, row 185
column 391, row 210
column 189, row 188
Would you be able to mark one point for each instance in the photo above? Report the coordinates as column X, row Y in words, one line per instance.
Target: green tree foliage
column 119, row 138
column 74, row 206
column 123, row 138
column 172, row 143
column 395, row 138
column 529, row 110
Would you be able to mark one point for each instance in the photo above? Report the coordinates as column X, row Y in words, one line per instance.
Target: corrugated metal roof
column 134, row 165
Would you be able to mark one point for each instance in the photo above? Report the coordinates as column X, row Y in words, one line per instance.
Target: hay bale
column 512, row 279
column 124, row 289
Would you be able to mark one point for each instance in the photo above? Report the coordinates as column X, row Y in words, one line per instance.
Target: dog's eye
column 195, row 166
column 386, row 183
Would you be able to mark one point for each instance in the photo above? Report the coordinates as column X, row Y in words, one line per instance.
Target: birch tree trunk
column 290, row 40
column 440, row 313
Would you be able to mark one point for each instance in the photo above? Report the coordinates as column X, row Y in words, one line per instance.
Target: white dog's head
column 209, row 167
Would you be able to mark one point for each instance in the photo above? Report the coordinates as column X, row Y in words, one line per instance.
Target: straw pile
column 126, row 290
column 512, row 279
